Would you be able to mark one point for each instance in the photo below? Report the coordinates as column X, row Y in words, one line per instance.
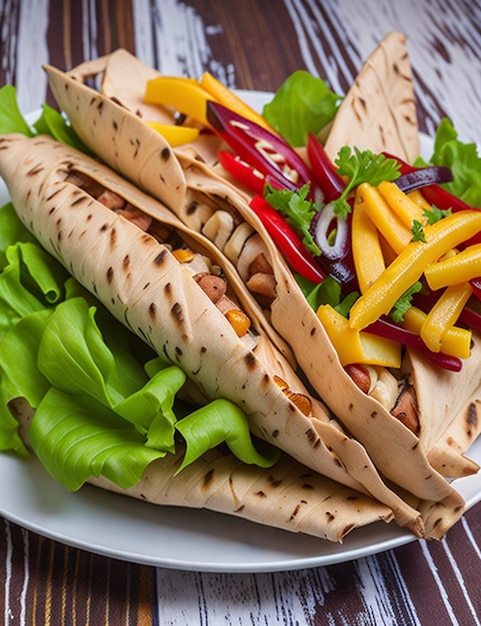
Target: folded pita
column 118, row 137
column 287, row 496
column 143, row 284
column 379, row 111
column 219, row 210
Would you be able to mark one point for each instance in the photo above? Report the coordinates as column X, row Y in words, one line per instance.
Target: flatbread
column 379, row 111
column 116, row 136
column 160, row 301
column 287, row 496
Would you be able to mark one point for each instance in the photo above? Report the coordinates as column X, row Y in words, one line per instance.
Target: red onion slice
column 322, row 225
column 424, row 176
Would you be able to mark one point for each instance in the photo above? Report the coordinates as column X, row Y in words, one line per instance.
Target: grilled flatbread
column 379, row 111
column 287, row 496
column 144, row 285
column 219, row 210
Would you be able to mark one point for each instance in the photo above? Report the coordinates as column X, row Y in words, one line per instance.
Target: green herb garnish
column 362, row 167
column 405, row 302
column 417, row 230
column 297, row 210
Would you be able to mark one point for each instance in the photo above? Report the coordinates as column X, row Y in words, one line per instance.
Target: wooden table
column 252, row 45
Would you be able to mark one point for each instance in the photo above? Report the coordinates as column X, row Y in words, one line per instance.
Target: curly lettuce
column 104, row 403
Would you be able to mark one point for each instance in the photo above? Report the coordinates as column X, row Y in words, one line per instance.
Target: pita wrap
column 118, row 137
column 379, row 111
column 287, row 496
column 219, row 210
column 383, row 97
column 143, row 285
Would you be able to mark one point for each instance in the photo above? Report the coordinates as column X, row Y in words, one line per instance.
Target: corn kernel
column 239, row 321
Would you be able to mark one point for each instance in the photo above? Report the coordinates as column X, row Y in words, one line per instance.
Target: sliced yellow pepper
column 457, row 268
column 444, row 314
column 224, row 95
column 417, row 196
column 175, row 135
column 413, row 319
column 354, row 346
column 455, row 341
column 366, row 246
column 401, row 204
column 185, row 95
column 409, row 265
column 190, row 96
column 388, row 223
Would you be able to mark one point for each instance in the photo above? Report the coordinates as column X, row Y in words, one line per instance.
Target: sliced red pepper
column 242, row 171
column 287, row 240
column 330, row 182
column 263, row 150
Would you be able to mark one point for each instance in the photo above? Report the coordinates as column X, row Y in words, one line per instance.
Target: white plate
column 123, row 528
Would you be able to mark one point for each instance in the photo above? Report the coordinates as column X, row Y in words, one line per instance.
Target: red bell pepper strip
column 330, row 182
column 287, row 240
column 443, row 199
column 263, row 150
column 242, row 171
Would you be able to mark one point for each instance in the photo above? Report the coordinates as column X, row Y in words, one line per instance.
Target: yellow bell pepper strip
column 175, row 135
column 367, row 252
column 444, row 314
column 409, row 266
column 401, row 204
column 391, row 330
column 354, row 346
column 417, row 197
column 457, row 268
column 185, row 95
column 388, row 223
column 224, row 95
column 455, row 341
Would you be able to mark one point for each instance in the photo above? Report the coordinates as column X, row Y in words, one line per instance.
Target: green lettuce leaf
column 11, row 120
column 151, row 408
column 303, row 104
column 76, row 437
column 30, row 280
column 464, row 161
column 74, row 357
column 20, row 375
column 53, row 123
column 218, row 422
column 11, row 231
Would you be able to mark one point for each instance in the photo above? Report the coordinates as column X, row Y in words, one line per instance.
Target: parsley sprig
column 362, row 167
column 297, row 209
column 432, row 216
column 405, row 302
